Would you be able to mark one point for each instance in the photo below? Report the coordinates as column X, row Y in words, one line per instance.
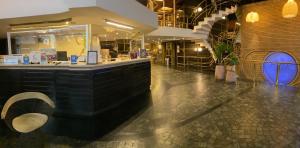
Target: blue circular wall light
column 287, row 73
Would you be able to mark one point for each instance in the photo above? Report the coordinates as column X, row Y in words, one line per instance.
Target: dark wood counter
column 90, row 99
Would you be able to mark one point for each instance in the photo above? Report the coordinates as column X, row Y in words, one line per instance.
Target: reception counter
column 90, row 99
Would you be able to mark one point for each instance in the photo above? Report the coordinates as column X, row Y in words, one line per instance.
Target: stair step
column 223, row 13
column 217, row 19
column 200, row 28
column 210, row 22
column 217, row 15
column 196, row 28
column 204, row 24
column 202, row 32
column 228, row 10
column 204, row 29
column 203, row 35
column 209, row 19
column 234, row 8
column 207, row 25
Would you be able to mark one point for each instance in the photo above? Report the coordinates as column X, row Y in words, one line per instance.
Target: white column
column 143, row 42
column 130, row 45
column 9, row 43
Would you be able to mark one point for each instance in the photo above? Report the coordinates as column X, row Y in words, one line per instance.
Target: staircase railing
column 225, row 36
column 209, row 9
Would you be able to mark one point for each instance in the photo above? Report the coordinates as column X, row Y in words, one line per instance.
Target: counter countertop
column 80, row 66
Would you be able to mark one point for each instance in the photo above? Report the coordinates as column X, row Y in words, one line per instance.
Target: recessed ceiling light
column 119, row 25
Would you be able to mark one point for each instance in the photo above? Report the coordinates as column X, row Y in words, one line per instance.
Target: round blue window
column 287, row 70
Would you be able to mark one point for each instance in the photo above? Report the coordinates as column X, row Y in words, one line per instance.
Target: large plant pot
column 220, row 72
column 231, row 75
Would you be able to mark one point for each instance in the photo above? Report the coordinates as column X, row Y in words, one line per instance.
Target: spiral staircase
column 204, row 27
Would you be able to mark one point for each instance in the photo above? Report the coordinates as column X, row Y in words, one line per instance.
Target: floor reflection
column 190, row 109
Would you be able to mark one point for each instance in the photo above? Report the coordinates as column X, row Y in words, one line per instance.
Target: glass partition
column 72, row 39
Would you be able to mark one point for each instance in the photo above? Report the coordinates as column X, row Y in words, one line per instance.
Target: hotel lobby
column 149, row 74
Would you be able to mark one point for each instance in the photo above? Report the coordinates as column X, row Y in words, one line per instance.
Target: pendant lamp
column 252, row 17
column 290, row 9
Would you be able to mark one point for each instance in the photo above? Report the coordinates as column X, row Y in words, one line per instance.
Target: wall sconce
column 290, row 9
column 178, row 49
column 252, row 17
column 159, row 46
column 198, row 49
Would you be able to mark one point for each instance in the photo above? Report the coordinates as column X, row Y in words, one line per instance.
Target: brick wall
column 271, row 33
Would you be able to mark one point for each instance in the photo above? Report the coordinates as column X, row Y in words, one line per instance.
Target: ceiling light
column 37, row 27
column 252, row 17
column 290, row 9
column 224, row 17
column 200, row 49
column 159, row 46
column 199, row 9
column 119, row 25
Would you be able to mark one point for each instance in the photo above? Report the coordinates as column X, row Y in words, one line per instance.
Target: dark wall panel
column 87, row 101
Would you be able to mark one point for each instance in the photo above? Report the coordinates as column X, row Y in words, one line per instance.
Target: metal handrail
column 257, row 62
column 199, row 63
column 196, row 57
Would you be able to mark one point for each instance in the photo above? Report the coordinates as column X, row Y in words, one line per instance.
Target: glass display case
column 72, row 39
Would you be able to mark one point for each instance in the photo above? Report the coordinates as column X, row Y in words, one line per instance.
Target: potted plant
column 231, row 61
column 221, row 50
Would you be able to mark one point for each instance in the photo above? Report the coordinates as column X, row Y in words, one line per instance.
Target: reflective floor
column 190, row 109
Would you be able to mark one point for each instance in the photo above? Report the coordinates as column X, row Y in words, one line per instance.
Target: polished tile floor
column 190, row 109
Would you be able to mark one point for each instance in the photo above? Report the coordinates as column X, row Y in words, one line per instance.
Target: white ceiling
column 88, row 15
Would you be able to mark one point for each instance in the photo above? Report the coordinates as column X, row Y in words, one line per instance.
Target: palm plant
column 231, row 59
column 222, row 49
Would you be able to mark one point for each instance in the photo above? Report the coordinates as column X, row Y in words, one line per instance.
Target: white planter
column 231, row 76
column 220, row 72
column 230, row 68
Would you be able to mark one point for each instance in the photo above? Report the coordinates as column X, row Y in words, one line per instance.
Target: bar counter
column 90, row 99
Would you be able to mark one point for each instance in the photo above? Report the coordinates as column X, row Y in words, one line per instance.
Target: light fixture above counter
column 118, row 25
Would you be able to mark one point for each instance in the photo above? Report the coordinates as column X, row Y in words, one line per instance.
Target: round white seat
column 29, row 122
column 29, row 117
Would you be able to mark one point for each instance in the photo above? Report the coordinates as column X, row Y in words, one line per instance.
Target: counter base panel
column 88, row 103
